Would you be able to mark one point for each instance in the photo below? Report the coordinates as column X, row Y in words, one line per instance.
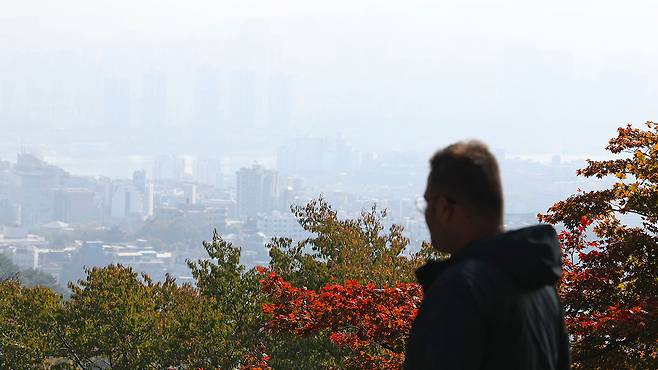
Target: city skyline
column 159, row 124
column 57, row 221
column 232, row 82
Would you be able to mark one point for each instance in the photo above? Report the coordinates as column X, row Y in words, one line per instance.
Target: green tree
column 357, row 249
column 191, row 329
column 234, row 295
column 110, row 320
column 116, row 318
column 27, row 325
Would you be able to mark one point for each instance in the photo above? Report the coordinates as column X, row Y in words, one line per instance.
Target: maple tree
column 371, row 324
column 610, row 278
column 345, row 297
column 359, row 250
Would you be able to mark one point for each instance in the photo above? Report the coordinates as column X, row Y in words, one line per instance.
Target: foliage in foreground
column 117, row 319
column 610, row 283
column 345, row 297
column 340, row 251
column 371, row 324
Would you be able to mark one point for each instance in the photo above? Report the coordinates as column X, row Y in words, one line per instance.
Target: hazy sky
column 612, row 24
column 530, row 77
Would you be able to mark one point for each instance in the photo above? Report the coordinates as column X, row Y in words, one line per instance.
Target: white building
column 141, row 259
column 128, row 200
column 22, row 248
column 281, row 225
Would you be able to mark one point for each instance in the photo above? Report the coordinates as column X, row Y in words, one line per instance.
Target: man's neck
column 478, row 233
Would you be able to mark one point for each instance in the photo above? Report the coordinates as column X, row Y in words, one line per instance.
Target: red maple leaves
column 602, row 307
column 372, row 323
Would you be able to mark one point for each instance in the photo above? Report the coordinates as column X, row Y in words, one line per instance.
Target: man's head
column 464, row 196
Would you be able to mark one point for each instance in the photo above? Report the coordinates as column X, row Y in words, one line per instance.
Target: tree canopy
column 345, row 296
column 610, row 282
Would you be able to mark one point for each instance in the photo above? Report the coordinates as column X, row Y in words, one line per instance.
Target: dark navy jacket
column 493, row 305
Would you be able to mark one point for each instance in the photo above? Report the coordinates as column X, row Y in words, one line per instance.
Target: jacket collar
column 530, row 255
column 427, row 273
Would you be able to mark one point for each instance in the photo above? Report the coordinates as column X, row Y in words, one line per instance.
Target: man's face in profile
column 440, row 218
column 433, row 215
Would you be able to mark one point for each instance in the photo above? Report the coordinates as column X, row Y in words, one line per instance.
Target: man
column 493, row 303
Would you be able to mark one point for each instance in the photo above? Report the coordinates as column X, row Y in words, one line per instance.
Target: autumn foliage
column 345, row 297
column 371, row 323
column 610, row 323
column 610, row 282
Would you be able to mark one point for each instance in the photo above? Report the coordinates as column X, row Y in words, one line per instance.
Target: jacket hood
column 531, row 256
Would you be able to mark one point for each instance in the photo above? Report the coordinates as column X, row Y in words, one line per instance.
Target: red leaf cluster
column 602, row 309
column 257, row 362
column 373, row 323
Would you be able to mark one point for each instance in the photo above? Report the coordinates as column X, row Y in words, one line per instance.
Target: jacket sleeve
column 450, row 331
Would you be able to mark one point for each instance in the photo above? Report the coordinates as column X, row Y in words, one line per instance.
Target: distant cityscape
column 59, row 223
column 133, row 147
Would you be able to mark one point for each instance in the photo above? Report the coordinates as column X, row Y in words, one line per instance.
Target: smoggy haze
column 240, row 78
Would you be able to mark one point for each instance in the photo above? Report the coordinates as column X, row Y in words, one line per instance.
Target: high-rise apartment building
column 139, row 180
column 129, row 201
column 257, row 190
column 38, row 183
column 208, row 171
column 74, row 205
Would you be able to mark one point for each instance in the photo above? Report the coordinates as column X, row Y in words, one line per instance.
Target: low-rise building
column 281, row 225
column 21, row 247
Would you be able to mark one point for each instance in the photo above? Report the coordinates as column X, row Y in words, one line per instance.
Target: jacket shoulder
column 471, row 273
column 474, row 281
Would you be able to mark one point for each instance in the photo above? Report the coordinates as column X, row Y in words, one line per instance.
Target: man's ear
column 447, row 209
